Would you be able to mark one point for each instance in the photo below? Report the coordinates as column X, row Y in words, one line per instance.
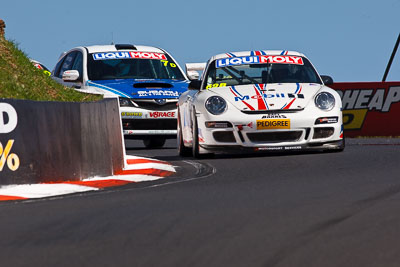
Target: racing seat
column 278, row 74
column 102, row 71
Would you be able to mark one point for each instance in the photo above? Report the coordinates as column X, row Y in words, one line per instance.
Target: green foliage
column 19, row 79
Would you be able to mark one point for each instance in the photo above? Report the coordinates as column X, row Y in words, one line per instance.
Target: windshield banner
column 123, row 55
column 224, row 62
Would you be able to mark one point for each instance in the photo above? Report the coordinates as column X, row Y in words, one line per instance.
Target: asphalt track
column 316, row 209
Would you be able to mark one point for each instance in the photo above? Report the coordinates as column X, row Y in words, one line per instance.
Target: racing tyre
column 195, row 139
column 182, row 150
column 339, row 148
column 154, row 142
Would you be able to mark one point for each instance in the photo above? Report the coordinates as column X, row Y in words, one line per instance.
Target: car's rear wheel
column 154, row 142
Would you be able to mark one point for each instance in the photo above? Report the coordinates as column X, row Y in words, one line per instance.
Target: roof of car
column 257, row 53
column 113, row 48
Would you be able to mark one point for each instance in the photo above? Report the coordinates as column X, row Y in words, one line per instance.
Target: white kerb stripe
column 43, row 190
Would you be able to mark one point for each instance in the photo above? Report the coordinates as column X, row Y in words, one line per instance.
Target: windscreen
column 132, row 65
column 260, row 70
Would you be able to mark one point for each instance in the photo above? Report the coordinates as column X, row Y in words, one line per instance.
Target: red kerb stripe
column 5, row 198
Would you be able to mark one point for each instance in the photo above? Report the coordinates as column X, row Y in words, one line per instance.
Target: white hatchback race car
column 259, row 101
column 146, row 79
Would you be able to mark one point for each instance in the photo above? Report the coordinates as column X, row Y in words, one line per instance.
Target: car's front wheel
column 182, row 150
column 195, row 139
column 154, row 142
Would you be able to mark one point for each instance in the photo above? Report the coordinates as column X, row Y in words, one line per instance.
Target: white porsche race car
column 258, row 101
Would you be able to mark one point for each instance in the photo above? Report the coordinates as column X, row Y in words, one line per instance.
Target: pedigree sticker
column 273, row 124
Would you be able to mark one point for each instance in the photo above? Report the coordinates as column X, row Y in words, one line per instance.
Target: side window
column 56, row 71
column 67, row 63
column 78, row 65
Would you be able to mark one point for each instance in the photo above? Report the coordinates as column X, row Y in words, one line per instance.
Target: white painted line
column 151, row 159
column 159, row 166
column 127, row 177
column 43, row 190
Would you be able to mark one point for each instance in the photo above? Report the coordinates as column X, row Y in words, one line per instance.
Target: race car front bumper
column 140, row 123
column 304, row 133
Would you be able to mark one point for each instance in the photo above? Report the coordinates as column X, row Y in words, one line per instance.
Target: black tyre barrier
column 59, row 141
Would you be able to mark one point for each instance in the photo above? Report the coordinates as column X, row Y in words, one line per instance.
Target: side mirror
column 194, row 85
column 192, row 75
column 326, row 79
column 70, row 76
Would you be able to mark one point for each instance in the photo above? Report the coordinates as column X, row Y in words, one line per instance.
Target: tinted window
column 57, row 67
column 67, row 63
column 78, row 64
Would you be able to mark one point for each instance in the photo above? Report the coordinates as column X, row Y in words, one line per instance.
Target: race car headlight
column 325, row 101
column 125, row 102
column 216, row 105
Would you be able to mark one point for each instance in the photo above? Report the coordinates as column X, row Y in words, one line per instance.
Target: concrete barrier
column 59, row 141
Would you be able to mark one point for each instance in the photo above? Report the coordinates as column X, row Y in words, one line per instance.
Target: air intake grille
column 224, row 137
column 274, row 137
column 149, row 124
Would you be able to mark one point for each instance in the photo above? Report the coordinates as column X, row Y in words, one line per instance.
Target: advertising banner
column 370, row 108
column 59, row 141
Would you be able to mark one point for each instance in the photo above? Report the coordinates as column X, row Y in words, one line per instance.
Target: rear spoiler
column 193, row 68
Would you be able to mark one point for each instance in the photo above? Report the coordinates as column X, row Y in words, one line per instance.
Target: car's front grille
column 154, row 106
column 275, row 137
column 323, row 132
column 149, row 124
column 224, row 136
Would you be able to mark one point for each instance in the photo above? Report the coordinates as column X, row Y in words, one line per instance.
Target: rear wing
column 193, row 68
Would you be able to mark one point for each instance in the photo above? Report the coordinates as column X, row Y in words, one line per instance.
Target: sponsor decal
column 262, row 96
column 278, row 148
column 326, row 120
column 124, row 55
column 158, row 114
column 233, row 61
column 273, row 116
column 167, row 63
column 8, row 122
column 273, row 124
column 131, row 114
column 158, row 93
column 215, row 85
column 241, row 126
